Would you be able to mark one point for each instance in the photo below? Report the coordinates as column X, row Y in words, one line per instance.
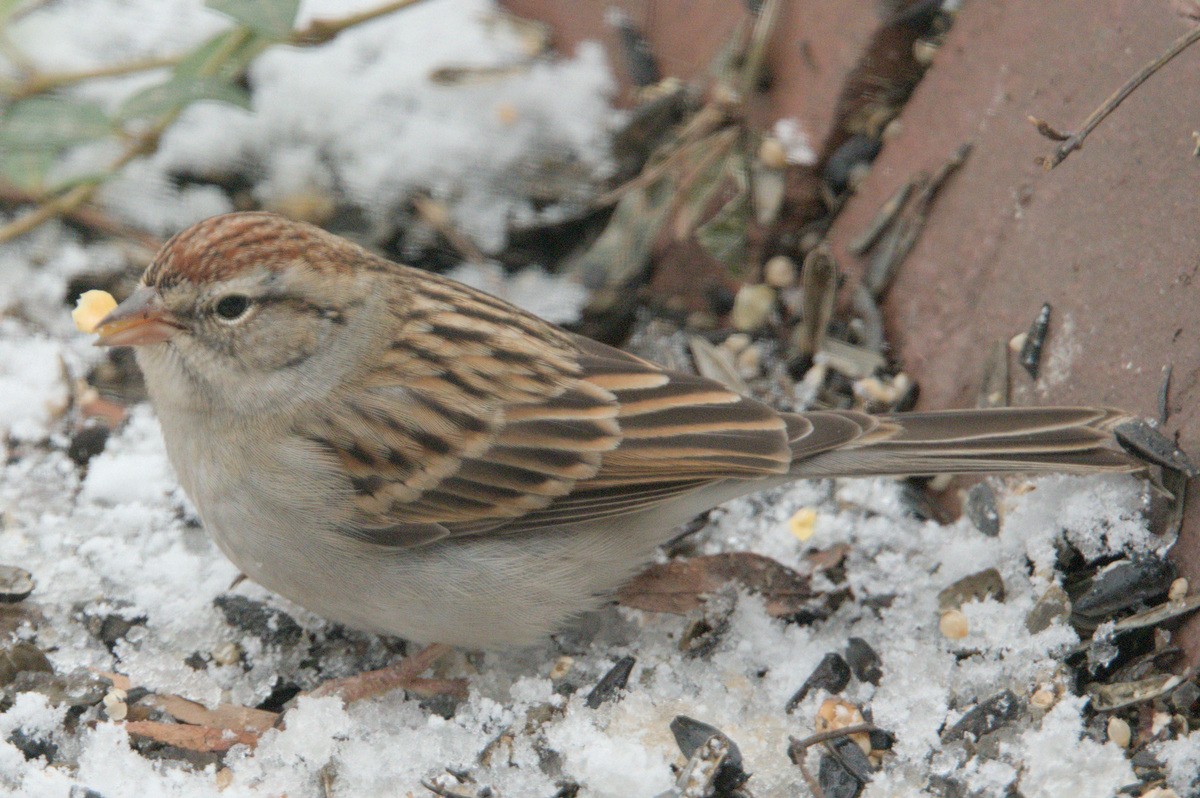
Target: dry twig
column 1073, row 141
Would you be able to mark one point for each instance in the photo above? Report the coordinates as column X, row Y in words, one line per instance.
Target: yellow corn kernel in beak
column 91, row 308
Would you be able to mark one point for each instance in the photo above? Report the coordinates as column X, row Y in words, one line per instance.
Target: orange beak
column 139, row 320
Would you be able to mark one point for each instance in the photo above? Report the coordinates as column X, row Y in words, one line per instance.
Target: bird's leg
column 404, row 674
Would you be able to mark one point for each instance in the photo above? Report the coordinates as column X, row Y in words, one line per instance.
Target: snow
column 120, row 538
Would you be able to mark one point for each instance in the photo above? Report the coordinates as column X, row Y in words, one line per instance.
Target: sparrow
column 406, row 455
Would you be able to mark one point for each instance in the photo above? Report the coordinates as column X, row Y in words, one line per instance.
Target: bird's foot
column 405, row 674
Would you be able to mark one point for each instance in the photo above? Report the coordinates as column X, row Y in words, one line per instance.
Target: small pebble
column 15, row 584
column 1051, row 606
column 1042, row 699
column 772, row 153
column 1119, row 731
column 953, row 625
column 986, row 584
column 803, row 523
column 863, row 660
column 780, row 272
column 224, row 778
column 1017, row 342
column 1178, row 589
column 752, row 307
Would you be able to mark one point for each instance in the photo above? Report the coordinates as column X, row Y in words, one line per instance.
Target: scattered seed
column 1042, row 699
column 803, row 524
column 717, row 363
column 1121, row 586
column 819, row 281
column 1017, row 342
column 953, row 625
column 635, row 49
column 749, row 363
column 1119, row 731
column 87, row 442
column 562, row 666
column 834, row 714
column 116, row 711
column 1031, row 350
column 994, row 386
column 982, row 510
column 780, row 272
column 867, row 311
column 882, row 219
column 726, row 773
column 835, row 778
column 736, row 343
column 772, row 153
column 752, row 307
column 224, row 778
column 1164, row 395
column 924, row 50
column 832, row 674
column 1110, row 697
column 1178, row 589
column 1158, row 614
column 611, row 682
column 228, row 653
column 985, row 717
column 863, row 661
column 1145, row 441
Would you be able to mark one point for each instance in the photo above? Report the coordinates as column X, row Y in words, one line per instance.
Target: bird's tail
column 996, row 440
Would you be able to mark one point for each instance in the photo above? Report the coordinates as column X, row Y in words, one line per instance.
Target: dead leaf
column 191, row 738
column 680, row 586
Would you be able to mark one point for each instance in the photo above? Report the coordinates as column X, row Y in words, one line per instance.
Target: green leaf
column 271, row 18
column 225, row 56
column 51, row 124
column 26, row 169
column 178, row 93
column 724, row 235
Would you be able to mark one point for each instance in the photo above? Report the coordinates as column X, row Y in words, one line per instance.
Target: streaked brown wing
column 482, row 417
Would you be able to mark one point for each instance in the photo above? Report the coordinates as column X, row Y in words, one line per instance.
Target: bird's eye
column 233, row 307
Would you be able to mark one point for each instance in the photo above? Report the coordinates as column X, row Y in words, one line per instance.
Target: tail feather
column 1035, row 439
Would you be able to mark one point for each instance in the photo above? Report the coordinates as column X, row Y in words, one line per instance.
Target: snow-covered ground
column 117, row 538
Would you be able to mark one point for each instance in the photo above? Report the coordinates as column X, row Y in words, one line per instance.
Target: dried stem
column 799, row 748
column 320, row 31
column 48, row 81
column 1074, row 141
